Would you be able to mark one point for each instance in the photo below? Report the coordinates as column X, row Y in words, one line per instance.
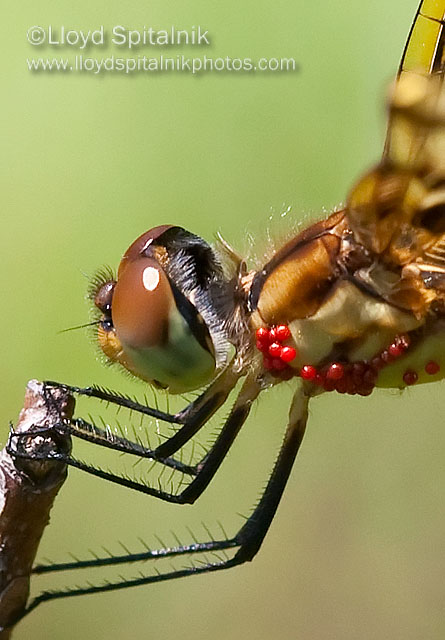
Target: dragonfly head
column 158, row 317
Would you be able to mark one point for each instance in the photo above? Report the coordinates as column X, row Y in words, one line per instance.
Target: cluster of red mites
column 276, row 356
column 358, row 377
column 353, row 378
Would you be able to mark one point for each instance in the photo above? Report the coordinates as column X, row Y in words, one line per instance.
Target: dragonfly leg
column 205, row 470
column 247, row 540
column 192, row 419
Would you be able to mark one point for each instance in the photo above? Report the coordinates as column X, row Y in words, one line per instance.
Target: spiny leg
column 205, row 470
column 248, row 539
column 91, row 433
column 192, row 418
column 84, row 430
column 118, row 400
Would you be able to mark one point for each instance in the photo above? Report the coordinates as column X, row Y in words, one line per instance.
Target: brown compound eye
column 142, row 304
column 104, row 296
column 156, row 341
column 141, row 245
column 148, row 324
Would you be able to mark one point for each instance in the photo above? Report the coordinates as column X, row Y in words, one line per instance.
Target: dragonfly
column 353, row 302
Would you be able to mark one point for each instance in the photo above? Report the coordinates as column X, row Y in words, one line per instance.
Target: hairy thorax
column 345, row 304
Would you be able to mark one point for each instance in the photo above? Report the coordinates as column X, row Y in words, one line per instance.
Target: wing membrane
column 423, row 56
column 424, row 50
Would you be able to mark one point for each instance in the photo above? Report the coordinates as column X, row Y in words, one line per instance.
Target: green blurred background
column 90, row 162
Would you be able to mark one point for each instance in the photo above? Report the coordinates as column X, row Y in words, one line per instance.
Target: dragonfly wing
column 397, row 210
column 424, row 49
column 423, row 56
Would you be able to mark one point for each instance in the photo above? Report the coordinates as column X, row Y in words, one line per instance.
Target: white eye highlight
column 150, row 278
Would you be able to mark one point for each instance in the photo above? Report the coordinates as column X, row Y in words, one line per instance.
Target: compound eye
column 141, row 245
column 104, row 296
column 142, row 304
column 149, row 325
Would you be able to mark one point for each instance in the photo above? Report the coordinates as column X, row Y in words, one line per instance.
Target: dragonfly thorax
column 334, row 297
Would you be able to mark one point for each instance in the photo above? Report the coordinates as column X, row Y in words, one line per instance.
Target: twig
column 27, row 491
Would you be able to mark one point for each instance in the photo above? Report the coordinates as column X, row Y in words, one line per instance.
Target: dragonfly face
column 354, row 301
column 160, row 318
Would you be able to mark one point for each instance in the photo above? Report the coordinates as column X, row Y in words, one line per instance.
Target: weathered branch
column 27, row 491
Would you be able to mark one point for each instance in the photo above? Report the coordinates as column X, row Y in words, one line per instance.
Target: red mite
column 410, row 377
column 432, row 368
column 276, row 357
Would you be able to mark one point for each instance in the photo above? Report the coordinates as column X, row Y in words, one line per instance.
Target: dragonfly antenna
column 79, row 326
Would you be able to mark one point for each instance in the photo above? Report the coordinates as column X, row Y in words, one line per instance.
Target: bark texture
column 28, row 488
